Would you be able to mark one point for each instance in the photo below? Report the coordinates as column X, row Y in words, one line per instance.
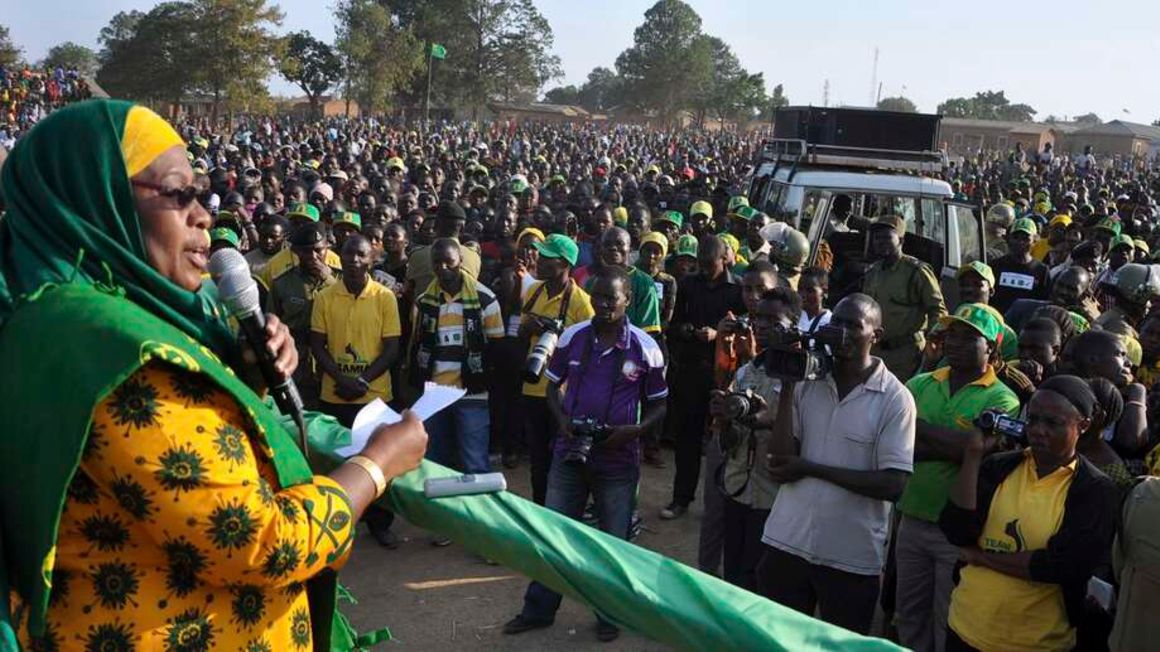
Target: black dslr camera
column 799, row 356
column 586, row 433
column 995, row 422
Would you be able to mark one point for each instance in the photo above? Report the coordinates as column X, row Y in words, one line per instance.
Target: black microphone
column 238, row 291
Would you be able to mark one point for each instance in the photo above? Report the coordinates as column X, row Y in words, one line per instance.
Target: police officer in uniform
column 908, row 292
column 999, row 218
column 291, row 297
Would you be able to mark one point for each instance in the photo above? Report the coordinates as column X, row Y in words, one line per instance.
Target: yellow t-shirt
column 284, row 260
column 355, row 328
column 579, row 309
column 993, row 611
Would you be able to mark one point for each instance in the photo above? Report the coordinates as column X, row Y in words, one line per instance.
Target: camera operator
column 744, row 480
column 842, row 447
column 615, row 392
column 553, row 303
column 947, row 400
column 1032, row 525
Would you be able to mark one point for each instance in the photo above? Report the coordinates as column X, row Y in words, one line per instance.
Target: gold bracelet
column 373, row 470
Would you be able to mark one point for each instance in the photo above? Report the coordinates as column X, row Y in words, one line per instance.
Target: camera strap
column 589, row 346
column 563, row 302
column 750, row 459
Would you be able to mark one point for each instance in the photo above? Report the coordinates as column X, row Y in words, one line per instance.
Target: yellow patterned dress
column 175, row 534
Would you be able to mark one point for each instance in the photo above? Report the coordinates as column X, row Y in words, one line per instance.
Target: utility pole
column 826, row 93
column 427, row 103
column 874, row 80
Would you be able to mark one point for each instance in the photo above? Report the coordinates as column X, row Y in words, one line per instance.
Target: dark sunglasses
column 183, row 196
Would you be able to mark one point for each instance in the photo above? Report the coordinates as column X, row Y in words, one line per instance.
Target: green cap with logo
column 978, row 317
column 745, row 212
column 686, row 246
column 736, row 201
column 558, row 246
column 1122, row 240
column 673, row 217
column 980, row 268
column 302, row 209
column 348, row 217
column 1025, row 225
column 224, row 234
column 1110, row 224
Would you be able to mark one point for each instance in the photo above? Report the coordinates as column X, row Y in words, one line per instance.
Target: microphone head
column 238, row 291
column 225, row 259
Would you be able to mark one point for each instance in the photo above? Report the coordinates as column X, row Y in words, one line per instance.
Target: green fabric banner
column 636, row 588
column 438, row 51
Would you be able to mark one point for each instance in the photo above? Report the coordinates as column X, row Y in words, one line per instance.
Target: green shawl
column 71, row 332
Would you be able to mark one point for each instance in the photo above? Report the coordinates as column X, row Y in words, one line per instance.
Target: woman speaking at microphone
column 148, row 498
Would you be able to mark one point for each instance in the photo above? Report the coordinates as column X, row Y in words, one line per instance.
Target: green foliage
column 223, row 48
column 70, row 55
column 899, row 103
column 496, row 50
column 9, row 53
column 732, row 93
column 148, row 57
column 1088, row 119
column 311, row 64
column 563, row 95
column 379, row 56
column 987, row 105
column 669, row 62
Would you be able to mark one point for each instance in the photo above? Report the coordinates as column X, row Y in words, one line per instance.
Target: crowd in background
column 27, row 95
column 658, row 298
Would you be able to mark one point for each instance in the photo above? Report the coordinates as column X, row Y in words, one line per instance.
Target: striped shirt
column 451, row 344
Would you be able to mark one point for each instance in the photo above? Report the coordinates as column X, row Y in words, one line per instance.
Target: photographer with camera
column 842, row 447
column 615, row 392
column 1032, row 525
column 551, row 304
column 948, row 400
column 742, row 477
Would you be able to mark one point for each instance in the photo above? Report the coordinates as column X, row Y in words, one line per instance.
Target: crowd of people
column 28, row 94
column 600, row 293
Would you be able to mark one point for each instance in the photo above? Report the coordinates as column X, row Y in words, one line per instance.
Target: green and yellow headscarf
column 71, row 214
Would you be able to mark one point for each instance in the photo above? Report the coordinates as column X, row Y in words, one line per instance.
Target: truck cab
column 842, row 168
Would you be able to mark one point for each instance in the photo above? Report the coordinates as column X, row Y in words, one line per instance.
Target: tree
column 70, row 55
column 236, row 48
column 378, row 56
column 563, row 95
column 496, row 49
column 669, row 60
column 603, row 90
column 732, row 93
column 775, row 101
column 9, row 52
column 149, row 57
column 1088, row 119
column 312, row 65
column 987, row 105
column 897, row 104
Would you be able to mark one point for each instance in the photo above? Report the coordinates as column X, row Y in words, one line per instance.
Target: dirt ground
column 451, row 599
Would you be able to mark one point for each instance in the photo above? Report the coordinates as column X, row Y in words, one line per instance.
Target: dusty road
column 450, row 599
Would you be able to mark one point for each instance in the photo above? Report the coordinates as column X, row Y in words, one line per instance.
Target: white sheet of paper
column 377, row 413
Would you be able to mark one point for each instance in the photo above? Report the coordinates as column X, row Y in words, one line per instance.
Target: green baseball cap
column 1122, row 240
column 980, row 268
column 558, row 246
column 302, row 209
column 224, row 234
column 348, row 217
column 673, row 217
column 1025, row 225
column 978, row 317
column 686, row 246
column 737, row 201
column 1109, row 224
column 745, row 212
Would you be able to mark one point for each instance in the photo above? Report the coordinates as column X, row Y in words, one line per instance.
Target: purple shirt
column 607, row 385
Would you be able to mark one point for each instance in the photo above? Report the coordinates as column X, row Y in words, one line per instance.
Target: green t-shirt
column 930, row 483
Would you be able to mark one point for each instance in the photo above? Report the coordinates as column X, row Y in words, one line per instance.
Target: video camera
column 995, row 422
column 799, row 356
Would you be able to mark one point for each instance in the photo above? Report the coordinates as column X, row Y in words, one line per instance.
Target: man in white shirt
column 842, row 448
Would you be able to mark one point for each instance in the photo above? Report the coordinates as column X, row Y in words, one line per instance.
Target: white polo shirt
column 871, row 429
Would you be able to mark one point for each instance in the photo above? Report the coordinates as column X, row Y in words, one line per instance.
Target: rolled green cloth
column 635, row 588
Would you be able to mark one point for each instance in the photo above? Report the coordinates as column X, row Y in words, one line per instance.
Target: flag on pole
column 438, row 51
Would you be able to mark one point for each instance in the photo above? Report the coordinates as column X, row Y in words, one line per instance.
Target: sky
column 1064, row 58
